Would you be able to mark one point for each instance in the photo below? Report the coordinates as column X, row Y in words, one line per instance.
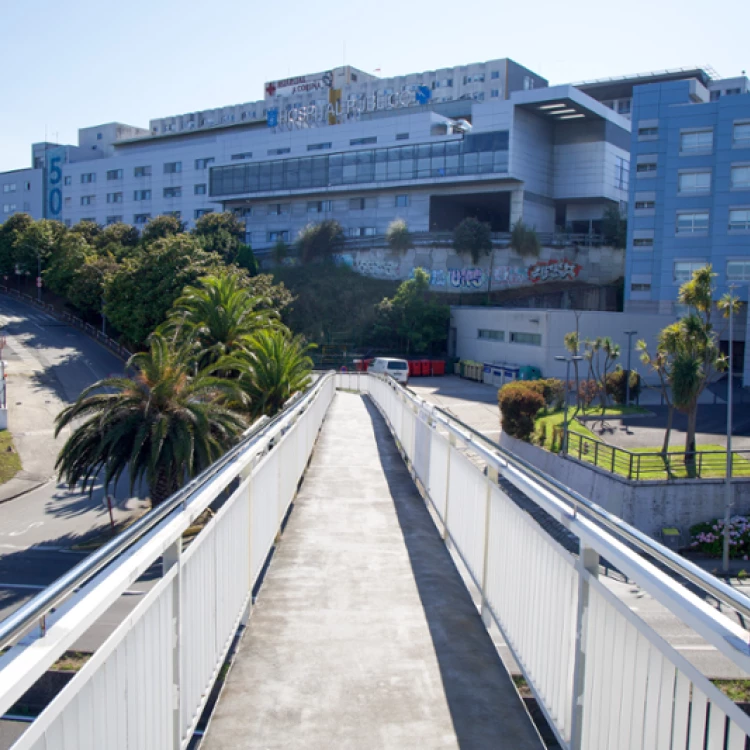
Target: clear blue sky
column 79, row 63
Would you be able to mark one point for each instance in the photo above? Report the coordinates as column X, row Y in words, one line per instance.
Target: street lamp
column 630, row 335
column 728, row 482
column 567, row 360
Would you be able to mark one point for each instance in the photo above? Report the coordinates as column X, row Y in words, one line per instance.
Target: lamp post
column 630, row 335
column 728, row 481
column 39, row 277
column 567, row 360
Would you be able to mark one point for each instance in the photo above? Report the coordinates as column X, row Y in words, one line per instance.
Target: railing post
column 630, row 468
column 492, row 477
column 172, row 557
column 588, row 561
column 451, row 448
column 614, row 453
column 596, row 453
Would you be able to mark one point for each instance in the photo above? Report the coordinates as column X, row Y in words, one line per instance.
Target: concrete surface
column 364, row 635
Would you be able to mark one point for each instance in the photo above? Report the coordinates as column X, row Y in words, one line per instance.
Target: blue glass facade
column 689, row 199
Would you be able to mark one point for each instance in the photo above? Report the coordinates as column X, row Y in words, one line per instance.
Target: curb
column 24, row 492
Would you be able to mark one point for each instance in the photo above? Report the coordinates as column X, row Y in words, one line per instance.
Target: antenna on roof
column 712, row 74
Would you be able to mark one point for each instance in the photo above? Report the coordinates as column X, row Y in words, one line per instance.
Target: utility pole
column 568, row 361
column 728, row 480
column 630, row 335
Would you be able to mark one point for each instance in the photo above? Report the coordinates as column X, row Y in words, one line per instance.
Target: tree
column 70, row 255
column 161, row 227
column 572, row 342
column 271, row 368
column 519, row 404
column 473, row 237
column 398, row 236
column 139, row 295
column 246, row 259
column 221, row 233
column 614, row 227
column 420, row 323
column 35, row 246
column 162, row 424
column 320, row 241
column 86, row 289
column 117, row 234
column 11, row 232
column 524, row 240
column 89, row 230
column 660, row 363
column 279, row 252
column 216, row 317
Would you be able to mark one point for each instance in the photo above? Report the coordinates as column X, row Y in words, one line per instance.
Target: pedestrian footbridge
column 361, row 565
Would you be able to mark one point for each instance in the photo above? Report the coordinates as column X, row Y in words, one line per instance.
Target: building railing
column 636, row 466
column 601, row 675
column 147, row 685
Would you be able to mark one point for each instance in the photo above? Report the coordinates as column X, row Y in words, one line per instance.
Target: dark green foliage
column 11, row 232
column 519, row 402
column 320, row 241
column 161, row 227
column 86, row 290
column 89, row 230
column 473, row 237
column 525, row 241
column 221, row 233
column 616, row 385
column 614, row 227
column 398, row 236
column 246, row 259
column 117, row 234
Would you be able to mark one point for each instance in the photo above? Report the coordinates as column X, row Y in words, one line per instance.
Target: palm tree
column 270, row 369
column 162, row 425
column 217, row 317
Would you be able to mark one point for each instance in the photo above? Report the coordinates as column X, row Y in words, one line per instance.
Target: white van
column 398, row 369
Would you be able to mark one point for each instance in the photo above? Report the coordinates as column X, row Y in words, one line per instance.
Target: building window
column 243, row 212
column 740, row 176
column 141, row 218
column 318, row 146
column 479, row 78
column 114, row 174
column 88, row 177
column 645, row 205
column 114, row 197
column 174, row 214
column 739, row 219
column 243, row 155
column 9, row 188
column 87, row 200
column 738, row 270
column 68, row 223
column 67, row 180
column 693, row 222
column 199, row 189
column 683, row 270
column 363, row 141
column 495, row 93
column 141, row 195
column 142, row 172
column 319, row 207
column 9, row 208
column 622, row 173
column 623, row 106
column 114, row 220
column 646, row 167
column 495, row 74
column 694, row 182
column 697, row 140
column 357, row 204
column 202, row 212
column 741, row 134
column 402, row 136
column 27, row 186
column 278, row 151
column 278, row 209
column 402, row 201
column 648, row 132
column 521, row 337
column 173, row 192
column 733, row 92
column 202, row 163
column 486, row 333
column 68, row 201
column 279, row 235
column 640, row 287
column 715, row 95
column 362, row 231
column 172, row 167
column 643, row 242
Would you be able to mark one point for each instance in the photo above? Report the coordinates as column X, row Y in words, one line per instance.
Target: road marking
column 33, row 525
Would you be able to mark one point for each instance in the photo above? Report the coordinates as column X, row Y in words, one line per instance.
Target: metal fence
column 602, row 676
column 633, row 465
column 149, row 682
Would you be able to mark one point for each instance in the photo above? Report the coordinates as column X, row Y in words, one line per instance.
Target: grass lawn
column 638, row 463
column 10, row 462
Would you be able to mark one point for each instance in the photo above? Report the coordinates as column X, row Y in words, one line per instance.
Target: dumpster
column 529, row 372
column 487, row 373
column 510, row 372
column 413, row 371
column 426, row 368
column 438, row 367
column 497, row 375
column 461, row 368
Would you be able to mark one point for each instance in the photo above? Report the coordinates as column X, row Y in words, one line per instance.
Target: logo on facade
column 423, row 94
column 271, row 89
column 272, row 117
column 554, row 270
column 300, row 84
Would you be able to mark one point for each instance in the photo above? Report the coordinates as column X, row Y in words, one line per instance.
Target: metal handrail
column 676, row 564
column 37, row 608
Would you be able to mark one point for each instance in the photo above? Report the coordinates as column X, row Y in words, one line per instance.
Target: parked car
column 398, row 369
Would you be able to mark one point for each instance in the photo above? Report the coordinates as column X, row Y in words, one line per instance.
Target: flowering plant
column 709, row 537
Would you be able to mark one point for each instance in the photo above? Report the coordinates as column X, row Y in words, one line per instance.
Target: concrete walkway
column 364, row 635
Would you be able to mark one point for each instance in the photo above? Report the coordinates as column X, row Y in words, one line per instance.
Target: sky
column 81, row 63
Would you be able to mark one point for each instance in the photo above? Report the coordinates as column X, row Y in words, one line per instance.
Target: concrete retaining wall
column 649, row 506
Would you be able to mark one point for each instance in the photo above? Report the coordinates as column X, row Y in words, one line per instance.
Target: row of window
column 682, row 271
column 172, row 167
column 11, row 187
column 696, row 222
column 697, row 141
column 699, row 181
column 515, row 337
column 140, row 195
column 141, row 219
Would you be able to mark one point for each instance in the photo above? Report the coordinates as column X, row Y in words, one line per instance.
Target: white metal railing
column 603, row 677
column 147, row 685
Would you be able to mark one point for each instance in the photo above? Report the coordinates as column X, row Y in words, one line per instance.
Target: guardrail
column 601, row 675
column 709, row 464
column 67, row 317
column 147, row 685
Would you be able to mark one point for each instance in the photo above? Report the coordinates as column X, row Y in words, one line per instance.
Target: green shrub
column 708, row 537
column 616, row 385
column 519, row 404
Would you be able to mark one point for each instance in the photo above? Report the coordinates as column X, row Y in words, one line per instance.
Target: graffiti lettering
column 466, row 278
column 509, row 275
column 553, row 270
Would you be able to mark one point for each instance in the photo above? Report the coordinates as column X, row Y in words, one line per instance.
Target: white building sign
column 300, row 85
